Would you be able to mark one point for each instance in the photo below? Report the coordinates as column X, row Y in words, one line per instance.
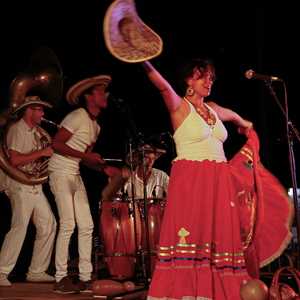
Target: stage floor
column 42, row 291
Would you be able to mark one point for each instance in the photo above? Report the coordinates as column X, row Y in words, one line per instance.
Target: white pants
column 73, row 208
column 27, row 202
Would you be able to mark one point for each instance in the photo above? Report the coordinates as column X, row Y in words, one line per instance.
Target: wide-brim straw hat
column 126, row 36
column 78, row 88
column 30, row 100
column 137, row 154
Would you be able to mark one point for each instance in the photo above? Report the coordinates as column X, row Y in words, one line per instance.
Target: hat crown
column 126, row 36
column 29, row 100
column 76, row 90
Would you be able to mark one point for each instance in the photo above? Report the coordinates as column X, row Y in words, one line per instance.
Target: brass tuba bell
column 43, row 78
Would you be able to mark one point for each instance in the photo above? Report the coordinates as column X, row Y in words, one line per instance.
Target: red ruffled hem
column 204, row 283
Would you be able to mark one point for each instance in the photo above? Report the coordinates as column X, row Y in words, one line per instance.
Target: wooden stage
column 42, row 291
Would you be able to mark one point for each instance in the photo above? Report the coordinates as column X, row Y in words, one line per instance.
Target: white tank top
column 196, row 140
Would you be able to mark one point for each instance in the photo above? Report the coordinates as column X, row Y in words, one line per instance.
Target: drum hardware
column 134, row 210
column 124, row 218
column 114, row 213
column 116, row 182
column 97, row 252
column 119, row 238
column 137, row 156
column 150, row 213
column 125, row 223
column 130, row 161
column 130, row 209
column 146, row 259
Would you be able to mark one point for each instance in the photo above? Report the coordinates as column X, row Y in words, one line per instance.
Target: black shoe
column 85, row 286
column 66, row 286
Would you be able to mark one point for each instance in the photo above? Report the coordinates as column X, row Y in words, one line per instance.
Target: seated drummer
column 156, row 181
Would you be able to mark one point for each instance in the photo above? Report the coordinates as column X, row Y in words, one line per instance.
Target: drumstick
column 112, row 159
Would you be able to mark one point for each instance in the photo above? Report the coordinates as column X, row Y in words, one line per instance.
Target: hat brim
column 151, row 149
column 33, row 102
column 145, row 149
column 77, row 89
column 126, row 36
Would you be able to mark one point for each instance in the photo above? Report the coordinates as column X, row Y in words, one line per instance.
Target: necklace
column 205, row 113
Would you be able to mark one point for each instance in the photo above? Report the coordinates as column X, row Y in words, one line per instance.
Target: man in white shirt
column 154, row 181
column 24, row 146
column 73, row 144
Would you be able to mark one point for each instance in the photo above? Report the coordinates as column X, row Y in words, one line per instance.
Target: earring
column 190, row 91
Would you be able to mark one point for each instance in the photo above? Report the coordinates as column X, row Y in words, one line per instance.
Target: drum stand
column 133, row 135
column 140, row 254
column 291, row 134
column 144, row 218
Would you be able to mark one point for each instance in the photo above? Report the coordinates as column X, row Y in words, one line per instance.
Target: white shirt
column 23, row 139
column 84, row 131
column 157, row 185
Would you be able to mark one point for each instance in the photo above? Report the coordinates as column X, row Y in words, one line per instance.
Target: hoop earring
column 190, row 91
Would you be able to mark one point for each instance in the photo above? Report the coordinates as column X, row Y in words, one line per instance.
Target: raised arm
column 172, row 100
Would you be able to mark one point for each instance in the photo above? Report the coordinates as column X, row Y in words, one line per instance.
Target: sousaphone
column 43, row 78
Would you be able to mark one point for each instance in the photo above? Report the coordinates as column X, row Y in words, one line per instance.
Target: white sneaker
column 39, row 277
column 4, row 281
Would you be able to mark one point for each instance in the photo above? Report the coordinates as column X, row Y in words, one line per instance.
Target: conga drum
column 119, row 237
column 155, row 211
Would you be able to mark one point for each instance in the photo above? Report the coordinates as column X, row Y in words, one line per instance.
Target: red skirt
column 200, row 254
column 266, row 211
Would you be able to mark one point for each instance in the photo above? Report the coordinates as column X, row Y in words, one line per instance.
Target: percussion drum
column 118, row 233
column 155, row 209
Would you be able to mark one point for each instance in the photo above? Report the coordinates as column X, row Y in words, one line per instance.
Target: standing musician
column 24, row 146
column 73, row 144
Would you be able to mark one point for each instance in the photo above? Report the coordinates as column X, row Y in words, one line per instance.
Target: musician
column 154, row 180
column 73, row 144
column 28, row 201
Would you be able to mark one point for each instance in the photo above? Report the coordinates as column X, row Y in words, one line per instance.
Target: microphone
column 165, row 136
column 168, row 134
column 159, row 138
column 162, row 137
column 50, row 122
column 250, row 74
column 115, row 100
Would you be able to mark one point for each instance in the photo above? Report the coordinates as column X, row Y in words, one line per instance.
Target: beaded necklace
column 205, row 113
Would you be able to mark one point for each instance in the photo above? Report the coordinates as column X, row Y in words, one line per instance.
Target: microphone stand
column 147, row 267
column 132, row 200
column 133, row 135
column 291, row 133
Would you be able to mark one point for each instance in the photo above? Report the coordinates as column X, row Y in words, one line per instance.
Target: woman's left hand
column 245, row 129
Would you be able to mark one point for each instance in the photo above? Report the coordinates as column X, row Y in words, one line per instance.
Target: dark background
column 237, row 37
